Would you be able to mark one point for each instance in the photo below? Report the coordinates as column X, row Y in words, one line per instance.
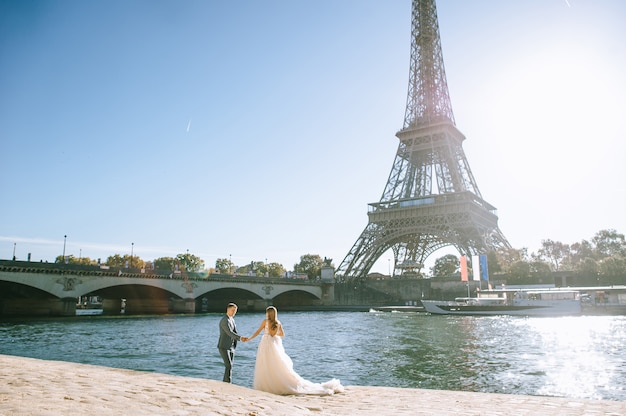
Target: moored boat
column 603, row 300
column 511, row 302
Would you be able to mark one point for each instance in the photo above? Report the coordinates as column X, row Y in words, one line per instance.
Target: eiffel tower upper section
column 431, row 199
column 428, row 107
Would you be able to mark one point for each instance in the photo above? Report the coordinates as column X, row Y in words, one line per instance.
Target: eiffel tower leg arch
column 411, row 252
column 416, row 233
column 411, row 247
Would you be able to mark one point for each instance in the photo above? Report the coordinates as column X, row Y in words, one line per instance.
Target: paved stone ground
column 49, row 388
column 392, row 401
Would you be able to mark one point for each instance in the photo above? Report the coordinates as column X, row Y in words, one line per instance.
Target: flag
column 475, row 268
column 484, row 272
column 463, row 269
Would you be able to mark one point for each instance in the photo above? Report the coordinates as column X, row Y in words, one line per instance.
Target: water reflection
column 581, row 356
column 570, row 357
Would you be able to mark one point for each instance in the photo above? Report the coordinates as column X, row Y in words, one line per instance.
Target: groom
column 228, row 340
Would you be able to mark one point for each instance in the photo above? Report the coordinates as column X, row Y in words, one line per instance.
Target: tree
column 519, row 270
column 553, row 252
column 540, row 269
column 85, row 261
column 589, row 267
column 259, row 268
column 275, row 270
column 612, row 268
column 310, row 264
column 609, row 243
column 254, row 268
column 115, row 260
column 125, row 261
column 224, row 266
column 445, row 266
column 578, row 252
column 492, row 262
column 190, row 262
column 165, row 263
column 506, row 257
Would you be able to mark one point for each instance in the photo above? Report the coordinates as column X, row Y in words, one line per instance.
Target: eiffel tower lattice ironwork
column 431, row 199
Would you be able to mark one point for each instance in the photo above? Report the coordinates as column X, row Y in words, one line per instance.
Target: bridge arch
column 295, row 299
column 21, row 299
column 216, row 300
column 132, row 290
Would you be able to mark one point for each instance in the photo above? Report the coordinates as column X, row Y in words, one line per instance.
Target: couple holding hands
column 273, row 370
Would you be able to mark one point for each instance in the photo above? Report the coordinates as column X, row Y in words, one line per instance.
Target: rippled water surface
column 581, row 357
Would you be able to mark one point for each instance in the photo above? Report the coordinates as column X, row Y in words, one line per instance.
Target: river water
column 577, row 357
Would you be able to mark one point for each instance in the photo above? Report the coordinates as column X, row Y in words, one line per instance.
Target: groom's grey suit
column 227, row 344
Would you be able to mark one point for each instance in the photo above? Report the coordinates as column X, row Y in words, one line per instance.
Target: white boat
column 603, row 300
column 511, row 302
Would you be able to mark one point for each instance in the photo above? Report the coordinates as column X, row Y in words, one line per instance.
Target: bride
column 273, row 371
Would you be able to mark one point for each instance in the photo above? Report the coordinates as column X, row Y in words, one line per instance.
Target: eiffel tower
column 431, row 199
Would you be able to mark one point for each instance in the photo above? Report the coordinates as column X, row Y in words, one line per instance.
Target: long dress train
column 273, row 371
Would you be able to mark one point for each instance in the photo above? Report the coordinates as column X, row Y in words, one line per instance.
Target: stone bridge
column 55, row 290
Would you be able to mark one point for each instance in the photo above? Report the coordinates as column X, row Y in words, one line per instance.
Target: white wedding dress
column 273, row 371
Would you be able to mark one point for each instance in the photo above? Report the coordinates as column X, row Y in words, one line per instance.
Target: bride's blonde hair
column 272, row 316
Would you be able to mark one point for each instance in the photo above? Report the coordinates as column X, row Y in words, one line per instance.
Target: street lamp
column 132, row 247
column 64, row 241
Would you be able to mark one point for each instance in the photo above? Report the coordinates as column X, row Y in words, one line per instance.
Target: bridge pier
column 183, row 306
column 328, row 294
column 258, row 305
column 64, row 307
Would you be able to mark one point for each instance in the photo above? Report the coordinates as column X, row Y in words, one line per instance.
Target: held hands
column 245, row 339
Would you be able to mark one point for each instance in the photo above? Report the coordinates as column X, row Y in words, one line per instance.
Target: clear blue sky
column 261, row 130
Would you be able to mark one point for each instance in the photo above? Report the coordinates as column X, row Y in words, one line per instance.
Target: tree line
column 599, row 260
column 309, row 265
